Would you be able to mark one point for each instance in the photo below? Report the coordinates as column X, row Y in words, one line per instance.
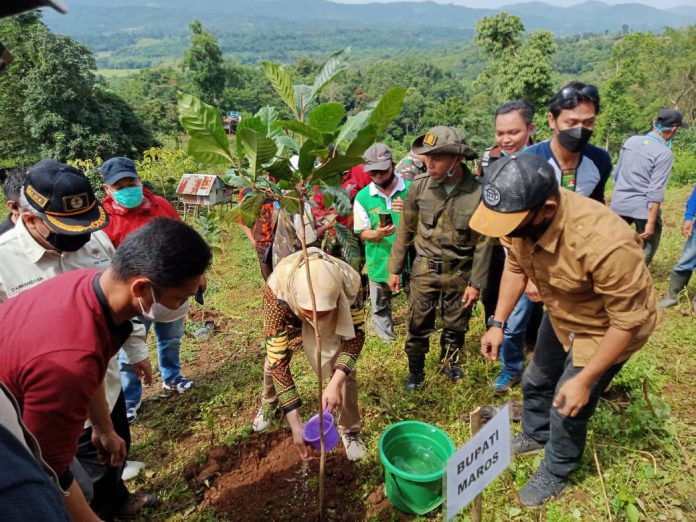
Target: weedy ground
column 639, row 463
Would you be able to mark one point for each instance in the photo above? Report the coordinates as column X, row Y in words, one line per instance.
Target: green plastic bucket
column 415, row 457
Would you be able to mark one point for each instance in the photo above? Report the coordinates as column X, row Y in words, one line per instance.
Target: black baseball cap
column 669, row 118
column 512, row 187
column 64, row 195
column 118, row 168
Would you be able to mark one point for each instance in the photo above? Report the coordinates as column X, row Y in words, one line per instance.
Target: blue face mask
column 129, row 197
column 659, row 129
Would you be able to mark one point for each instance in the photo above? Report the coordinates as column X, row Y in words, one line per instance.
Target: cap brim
column 94, row 219
column 116, row 176
column 379, row 165
column 495, row 224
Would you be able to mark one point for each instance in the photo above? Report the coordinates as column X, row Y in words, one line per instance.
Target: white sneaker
column 267, row 412
column 355, row 447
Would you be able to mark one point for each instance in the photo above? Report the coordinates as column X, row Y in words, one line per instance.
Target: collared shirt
column 641, row 175
column 25, row 264
column 54, row 382
column 437, row 223
column 592, row 172
column 369, row 204
column 591, row 275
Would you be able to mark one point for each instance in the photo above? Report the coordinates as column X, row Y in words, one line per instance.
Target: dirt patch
column 263, row 478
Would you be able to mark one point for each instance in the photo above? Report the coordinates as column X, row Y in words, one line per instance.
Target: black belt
column 446, row 266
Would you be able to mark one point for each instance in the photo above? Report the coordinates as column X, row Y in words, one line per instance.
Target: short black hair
column 560, row 102
column 12, row 186
column 166, row 251
column 523, row 106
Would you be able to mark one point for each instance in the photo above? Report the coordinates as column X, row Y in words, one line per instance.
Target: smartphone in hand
column 385, row 219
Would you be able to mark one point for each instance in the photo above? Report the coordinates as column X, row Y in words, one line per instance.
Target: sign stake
column 475, row 426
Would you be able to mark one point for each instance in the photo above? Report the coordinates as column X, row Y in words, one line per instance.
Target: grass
column 645, row 450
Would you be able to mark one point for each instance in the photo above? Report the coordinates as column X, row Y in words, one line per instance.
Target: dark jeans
column 110, row 492
column 565, row 437
column 649, row 245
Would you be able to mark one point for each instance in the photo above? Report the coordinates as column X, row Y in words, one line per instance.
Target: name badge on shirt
column 568, row 178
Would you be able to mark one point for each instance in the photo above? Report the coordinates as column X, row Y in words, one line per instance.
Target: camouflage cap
column 444, row 140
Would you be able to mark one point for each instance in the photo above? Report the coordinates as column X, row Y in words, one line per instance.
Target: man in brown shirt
column 600, row 300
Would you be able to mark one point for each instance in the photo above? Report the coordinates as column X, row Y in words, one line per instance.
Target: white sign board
column 478, row 462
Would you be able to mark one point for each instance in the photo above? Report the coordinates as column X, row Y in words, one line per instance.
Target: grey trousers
column 380, row 299
column 564, row 436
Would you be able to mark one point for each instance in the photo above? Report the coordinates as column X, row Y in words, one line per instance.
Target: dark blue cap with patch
column 64, row 194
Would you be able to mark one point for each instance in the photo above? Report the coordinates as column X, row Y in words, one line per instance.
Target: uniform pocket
column 571, row 285
column 460, row 221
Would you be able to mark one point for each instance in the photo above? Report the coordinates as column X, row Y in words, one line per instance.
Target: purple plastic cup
column 311, row 435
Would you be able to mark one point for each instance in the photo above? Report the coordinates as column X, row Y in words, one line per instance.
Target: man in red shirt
column 59, row 336
column 130, row 206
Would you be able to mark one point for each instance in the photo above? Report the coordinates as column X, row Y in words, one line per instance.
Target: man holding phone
column 376, row 214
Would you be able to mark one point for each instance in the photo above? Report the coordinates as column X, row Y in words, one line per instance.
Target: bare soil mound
column 263, row 478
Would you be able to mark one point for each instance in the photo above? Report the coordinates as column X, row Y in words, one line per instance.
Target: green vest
column 377, row 252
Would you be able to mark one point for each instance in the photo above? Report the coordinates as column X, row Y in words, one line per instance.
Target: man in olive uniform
column 452, row 260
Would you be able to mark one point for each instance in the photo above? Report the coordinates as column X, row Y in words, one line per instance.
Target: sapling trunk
column 317, row 336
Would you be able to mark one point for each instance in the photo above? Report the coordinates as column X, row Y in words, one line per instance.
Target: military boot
column 677, row 283
column 416, row 368
column 450, row 346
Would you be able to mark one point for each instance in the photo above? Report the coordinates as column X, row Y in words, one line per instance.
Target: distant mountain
column 136, row 33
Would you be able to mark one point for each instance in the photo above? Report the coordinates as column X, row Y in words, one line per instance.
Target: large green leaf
column 290, row 202
column 303, row 100
column 281, row 82
column 202, row 122
column 280, row 170
column 333, row 168
column 326, row 117
column 351, row 127
column 305, row 130
column 250, row 208
column 257, row 148
column 208, row 152
column 362, row 141
column 287, row 142
column 237, row 181
column 253, row 123
column 340, row 198
column 387, row 109
column 308, row 155
column 268, row 116
column 332, row 67
column 350, row 249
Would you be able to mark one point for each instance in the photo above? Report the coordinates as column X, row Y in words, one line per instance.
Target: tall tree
column 517, row 67
column 204, row 63
column 52, row 105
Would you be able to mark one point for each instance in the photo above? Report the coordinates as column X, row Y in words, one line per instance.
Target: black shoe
column 523, row 444
column 415, row 381
column 453, row 372
column 542, row 487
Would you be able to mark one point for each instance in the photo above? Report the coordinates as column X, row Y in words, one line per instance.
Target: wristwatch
column 492, row 323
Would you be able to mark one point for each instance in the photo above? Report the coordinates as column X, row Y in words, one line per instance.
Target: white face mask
column 161, row 314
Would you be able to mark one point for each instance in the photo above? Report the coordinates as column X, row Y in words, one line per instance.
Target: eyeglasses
column 571, row 92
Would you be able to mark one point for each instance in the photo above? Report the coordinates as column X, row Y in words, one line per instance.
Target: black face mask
column 386, row 183
column 531, row 230
column 575, row 138
column 67, row 243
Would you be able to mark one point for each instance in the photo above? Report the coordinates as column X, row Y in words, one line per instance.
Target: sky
column 661, row 4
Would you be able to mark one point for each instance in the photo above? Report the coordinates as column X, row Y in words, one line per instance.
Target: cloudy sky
column 661, row 4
